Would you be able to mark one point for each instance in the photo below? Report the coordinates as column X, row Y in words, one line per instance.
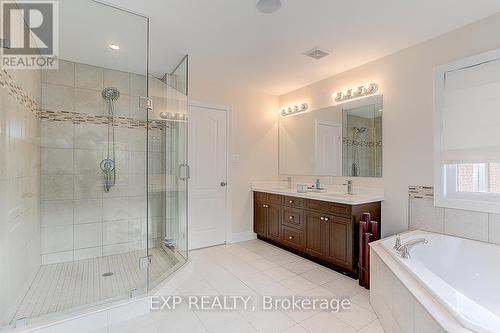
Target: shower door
column 168, row 173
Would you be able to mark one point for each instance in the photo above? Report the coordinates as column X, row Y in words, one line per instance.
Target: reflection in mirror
column 340, row 140
column 362, row 138
column 310, row 143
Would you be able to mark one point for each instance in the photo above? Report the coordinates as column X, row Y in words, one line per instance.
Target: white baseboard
column 242, row 236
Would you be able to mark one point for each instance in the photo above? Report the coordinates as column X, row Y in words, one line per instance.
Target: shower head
column 110, row 93
column 359, row 130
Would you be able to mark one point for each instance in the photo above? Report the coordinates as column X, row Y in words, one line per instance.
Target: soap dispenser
column 318, row 184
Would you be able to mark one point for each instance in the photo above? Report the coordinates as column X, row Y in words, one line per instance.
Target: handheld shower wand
column 108, row 164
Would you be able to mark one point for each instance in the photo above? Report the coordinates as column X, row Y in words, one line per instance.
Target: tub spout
column 404, row 249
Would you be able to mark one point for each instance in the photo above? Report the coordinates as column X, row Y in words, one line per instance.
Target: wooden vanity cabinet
column 324, row 232
column 316, row 229
column 267, row 220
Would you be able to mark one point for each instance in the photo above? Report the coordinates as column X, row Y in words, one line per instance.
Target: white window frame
column 445, row 177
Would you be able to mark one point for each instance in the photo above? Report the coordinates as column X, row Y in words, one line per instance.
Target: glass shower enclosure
column 112, row 205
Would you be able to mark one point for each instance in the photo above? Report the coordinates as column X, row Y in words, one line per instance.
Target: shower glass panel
column 97, row 212
column 168, row 172
column 93, row 216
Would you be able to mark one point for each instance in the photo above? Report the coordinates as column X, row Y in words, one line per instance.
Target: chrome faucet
column 397, row 244
column 404, row 249
column 289, row 182
column 349, row 187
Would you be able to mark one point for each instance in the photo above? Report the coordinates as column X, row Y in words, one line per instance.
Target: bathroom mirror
column 340, row 140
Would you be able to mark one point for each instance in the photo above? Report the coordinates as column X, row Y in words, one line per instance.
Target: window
column 467, row 134
column 478, row 178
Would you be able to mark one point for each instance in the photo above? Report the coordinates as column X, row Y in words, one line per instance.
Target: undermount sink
column 339, row 195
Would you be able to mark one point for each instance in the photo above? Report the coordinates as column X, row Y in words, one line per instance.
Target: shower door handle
column 188, row 171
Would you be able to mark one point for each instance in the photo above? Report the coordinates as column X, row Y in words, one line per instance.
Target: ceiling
column 229, row 41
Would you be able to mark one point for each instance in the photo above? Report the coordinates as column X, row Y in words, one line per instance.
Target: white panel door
column 207, row 187
column 328, row 149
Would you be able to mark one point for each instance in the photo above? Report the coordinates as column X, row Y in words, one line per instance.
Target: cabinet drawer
column 339, row 209
column 292, row 237
column 321, row 206
column 293, row 201
column 293, row 217
column 274, row 198
column 260, row 197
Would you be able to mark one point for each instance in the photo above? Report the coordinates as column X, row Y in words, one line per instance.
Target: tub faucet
column 404, row 250
column 397, row 244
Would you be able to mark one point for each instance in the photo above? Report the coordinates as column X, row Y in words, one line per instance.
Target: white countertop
column 334, row 193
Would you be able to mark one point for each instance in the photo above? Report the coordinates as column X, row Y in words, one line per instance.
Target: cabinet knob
column 265, row 206
column 290, row 237
column 291, row 201
column 327, row 219
column 322, row 218
column 291, row 218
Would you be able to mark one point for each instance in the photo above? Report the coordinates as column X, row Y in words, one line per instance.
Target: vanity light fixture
column 173, row 116
column 114, row 47
column 356, row 92
column 294, row 109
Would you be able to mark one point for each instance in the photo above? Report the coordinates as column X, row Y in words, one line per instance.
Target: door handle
column 188, row 171
column 223, row 184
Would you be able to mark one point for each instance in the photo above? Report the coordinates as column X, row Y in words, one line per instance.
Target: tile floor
column 256, row 268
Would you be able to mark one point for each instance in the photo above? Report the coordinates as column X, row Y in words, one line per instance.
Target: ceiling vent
column 317, row 53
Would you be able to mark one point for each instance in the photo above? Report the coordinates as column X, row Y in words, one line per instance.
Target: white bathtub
column 462, row 275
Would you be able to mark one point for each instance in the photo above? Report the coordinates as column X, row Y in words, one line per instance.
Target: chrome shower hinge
column 134, row 293
column 21, row 322
column 146, row 103
column 144, row 262
column 4, row 43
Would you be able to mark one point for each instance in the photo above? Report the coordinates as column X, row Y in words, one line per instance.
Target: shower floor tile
column 69, row 285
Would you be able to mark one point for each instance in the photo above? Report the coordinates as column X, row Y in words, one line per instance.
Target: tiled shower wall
column 79, row 220
column 19, row 186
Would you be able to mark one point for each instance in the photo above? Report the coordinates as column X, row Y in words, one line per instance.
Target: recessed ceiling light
column 114, row 47
column 268, row 6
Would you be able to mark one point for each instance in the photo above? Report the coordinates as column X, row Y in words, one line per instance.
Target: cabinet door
column 339, row 242
column 260, row 218
column 273, row 221
column 315, row 226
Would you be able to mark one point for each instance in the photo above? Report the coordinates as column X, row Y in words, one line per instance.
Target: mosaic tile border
column 363, row 144
column 420, row 192
column 82, row 118
column 8, row 82
column 14, row 90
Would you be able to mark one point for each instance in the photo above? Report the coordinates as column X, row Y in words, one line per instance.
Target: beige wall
column 254, row 138
column 406, row 81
